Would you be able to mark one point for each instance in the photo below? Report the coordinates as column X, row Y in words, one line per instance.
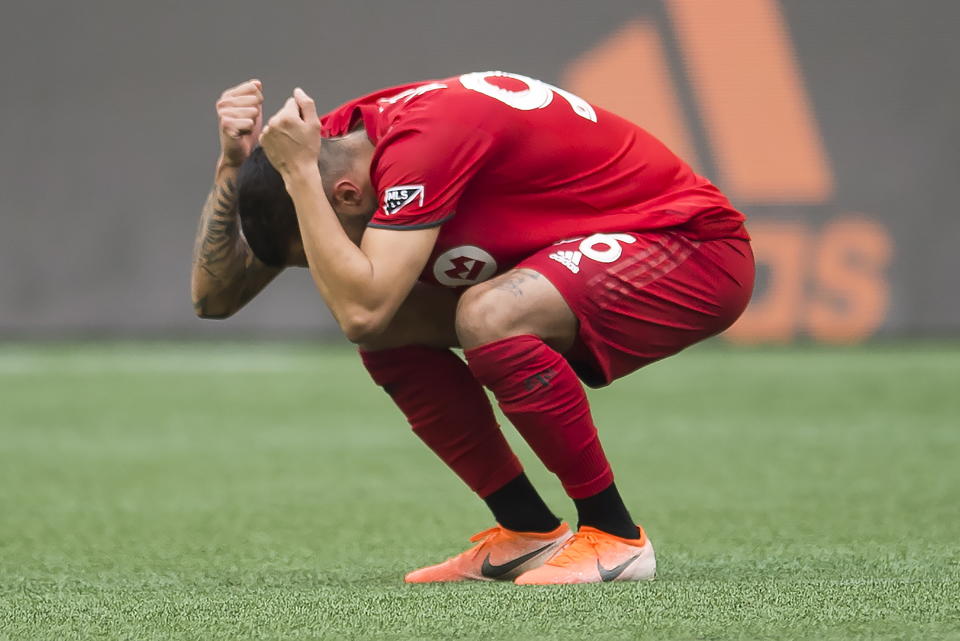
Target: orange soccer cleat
column 592, row 556
column 500, row 554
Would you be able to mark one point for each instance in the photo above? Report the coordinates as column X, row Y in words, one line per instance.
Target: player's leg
column 445, row 405
column 513, row 329
column 637, row 298
column 449, row 410
column 442, row 402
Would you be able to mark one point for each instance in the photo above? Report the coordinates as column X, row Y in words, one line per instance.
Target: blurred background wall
column 832, row 124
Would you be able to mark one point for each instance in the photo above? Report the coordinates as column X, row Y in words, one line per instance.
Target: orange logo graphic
column 738, row 76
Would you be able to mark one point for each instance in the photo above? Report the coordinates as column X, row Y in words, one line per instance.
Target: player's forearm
column 221, row 258
column 342, row 272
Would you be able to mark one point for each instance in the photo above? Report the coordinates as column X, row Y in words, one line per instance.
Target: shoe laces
column 488, row 533
column 581, row 546
column 482, row 539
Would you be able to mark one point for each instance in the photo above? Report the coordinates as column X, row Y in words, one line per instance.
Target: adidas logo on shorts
column 569, row 259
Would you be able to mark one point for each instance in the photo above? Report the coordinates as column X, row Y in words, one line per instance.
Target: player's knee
column 485, row 315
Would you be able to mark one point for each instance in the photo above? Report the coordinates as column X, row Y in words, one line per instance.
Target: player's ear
column 347, row 193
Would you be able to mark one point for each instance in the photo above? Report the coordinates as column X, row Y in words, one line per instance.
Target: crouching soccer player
column 552, row 240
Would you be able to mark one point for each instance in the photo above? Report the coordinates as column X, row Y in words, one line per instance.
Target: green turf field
column 196, row 491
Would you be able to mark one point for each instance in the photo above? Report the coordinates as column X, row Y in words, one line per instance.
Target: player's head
column 345, row 168
column 268, row 217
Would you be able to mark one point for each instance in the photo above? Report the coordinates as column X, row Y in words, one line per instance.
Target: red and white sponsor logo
column 464, row 265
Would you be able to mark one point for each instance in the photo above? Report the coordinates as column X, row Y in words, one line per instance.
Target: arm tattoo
column 219, row 230
column 219, row 258
column 226, row 274
column 512, row 283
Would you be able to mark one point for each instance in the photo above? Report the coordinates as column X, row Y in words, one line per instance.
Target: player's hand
column 291, row 138
column 240, row 115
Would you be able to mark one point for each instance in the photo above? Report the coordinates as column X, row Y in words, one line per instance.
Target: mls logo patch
column 396, row 198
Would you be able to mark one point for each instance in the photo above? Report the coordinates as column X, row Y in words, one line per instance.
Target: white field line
column 150, row 362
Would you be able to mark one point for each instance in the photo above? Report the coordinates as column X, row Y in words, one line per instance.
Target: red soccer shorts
column 640, row 297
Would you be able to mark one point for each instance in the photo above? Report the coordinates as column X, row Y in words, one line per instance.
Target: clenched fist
column 291, row 139
column 240, row 114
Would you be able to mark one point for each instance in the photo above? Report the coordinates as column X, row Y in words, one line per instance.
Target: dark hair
column 267, row 215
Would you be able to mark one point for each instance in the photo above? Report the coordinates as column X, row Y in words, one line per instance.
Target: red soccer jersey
column 510, row 165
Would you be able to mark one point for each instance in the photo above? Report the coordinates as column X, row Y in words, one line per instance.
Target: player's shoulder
column 436, row 112
column 467, row 97
column 474, row 110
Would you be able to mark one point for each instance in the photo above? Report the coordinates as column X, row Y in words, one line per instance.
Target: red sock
column 543, row 398
column 448, row 409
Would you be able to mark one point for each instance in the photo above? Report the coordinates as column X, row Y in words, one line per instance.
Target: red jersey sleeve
column 421, row 172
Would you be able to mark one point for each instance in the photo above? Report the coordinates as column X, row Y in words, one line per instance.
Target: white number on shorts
column 611, row 246
column 537, row 95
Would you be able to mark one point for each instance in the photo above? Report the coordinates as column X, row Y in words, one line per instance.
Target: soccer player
column 553, row 241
